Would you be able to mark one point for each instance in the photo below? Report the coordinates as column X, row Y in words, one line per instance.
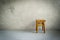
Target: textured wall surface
column 21, row 14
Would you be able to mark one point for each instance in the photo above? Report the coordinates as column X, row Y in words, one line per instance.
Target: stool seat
column 40, row 23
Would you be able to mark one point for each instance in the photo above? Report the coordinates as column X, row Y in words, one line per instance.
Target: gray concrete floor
column 25, row 35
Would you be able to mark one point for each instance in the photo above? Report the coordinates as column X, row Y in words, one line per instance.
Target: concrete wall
column 20, row 14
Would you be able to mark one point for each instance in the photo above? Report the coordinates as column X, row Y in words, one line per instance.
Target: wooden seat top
column 40, row 20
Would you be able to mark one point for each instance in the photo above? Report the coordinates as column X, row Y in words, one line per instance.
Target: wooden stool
column 40, row 23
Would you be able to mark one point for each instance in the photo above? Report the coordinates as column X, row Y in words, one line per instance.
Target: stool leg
column 43, row 27
column 36, row 28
